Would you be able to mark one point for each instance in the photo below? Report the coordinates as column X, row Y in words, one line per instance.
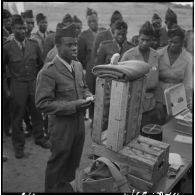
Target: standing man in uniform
column 6, row 23
column 42, row 32
column 157, row 27
column 106, row 50
column 85, row 44
column 50, row 39
column 78, row 24
column 22, row 57
column 30, row 23
column 170, row 20
column 61, row 92
column 6, row 101
column 151, row 108
column 101, row 36
column 29, row 20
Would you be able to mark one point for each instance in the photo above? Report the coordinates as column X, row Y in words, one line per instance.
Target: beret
column 40, row 17
column 27, row 14
column 66, row 31
column 147, row 29
column 90, row 12
column 170, row 15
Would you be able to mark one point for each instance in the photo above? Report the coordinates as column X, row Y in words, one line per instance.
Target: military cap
column 116, row 16
column 27, row 14
column 17, row 19
column 120, row 24
column 147, row 29
column 40, row 17
column 170, row 15
column 60, row 25
column 67, row 31
column 176, row 30
column 6, row 14
column 76, row 19
column 156, row 18
column 90, row 12
column 67, row 18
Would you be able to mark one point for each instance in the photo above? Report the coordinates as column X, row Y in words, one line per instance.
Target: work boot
column 19, row 153
column 4, row 158
column 43, row 143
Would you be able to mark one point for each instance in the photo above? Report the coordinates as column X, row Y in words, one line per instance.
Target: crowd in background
column 167, row 49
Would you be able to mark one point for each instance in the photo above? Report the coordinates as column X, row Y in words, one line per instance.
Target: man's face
column 120, row 35
column 29, row 24
column 175, row 44
column 43, row 25
column 157, row 25
column 78, row 28
column 92, row 22
column 7, row 23
column 144, row 42
column 68, row 48
column 169, row 24
column 19, row 31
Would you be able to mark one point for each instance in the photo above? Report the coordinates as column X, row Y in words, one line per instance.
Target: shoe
column 4, row 158
column 44, row 144
column 19, row 153
column 27, row 133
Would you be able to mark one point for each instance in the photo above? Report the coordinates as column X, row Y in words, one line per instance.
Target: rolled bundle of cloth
column 123, row 71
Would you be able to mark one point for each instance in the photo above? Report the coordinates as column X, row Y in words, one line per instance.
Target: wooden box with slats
column 142, row 160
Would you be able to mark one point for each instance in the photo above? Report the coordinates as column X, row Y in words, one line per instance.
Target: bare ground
column 28, row 174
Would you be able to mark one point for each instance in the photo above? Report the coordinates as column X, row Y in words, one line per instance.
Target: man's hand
column 91, row 98
column 83, row 104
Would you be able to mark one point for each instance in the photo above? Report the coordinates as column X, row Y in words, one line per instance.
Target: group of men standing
column 58, row 89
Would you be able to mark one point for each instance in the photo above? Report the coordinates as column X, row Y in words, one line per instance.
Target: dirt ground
column 27, row 174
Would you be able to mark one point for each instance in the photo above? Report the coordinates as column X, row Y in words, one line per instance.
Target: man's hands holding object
column 84, row 103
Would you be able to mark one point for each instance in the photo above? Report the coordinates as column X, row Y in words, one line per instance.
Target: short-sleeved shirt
column 152, row 76
column 179, row 72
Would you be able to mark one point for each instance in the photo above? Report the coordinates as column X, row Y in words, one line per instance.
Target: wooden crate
column 143, row 161
column 124, row 115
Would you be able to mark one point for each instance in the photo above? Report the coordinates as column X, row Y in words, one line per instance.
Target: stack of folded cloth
column 123, row 71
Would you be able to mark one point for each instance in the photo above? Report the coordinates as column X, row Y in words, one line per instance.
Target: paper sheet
column 183, row 139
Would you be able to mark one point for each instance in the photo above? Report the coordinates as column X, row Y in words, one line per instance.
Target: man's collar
column 64, row 62
column 42, row 34
column 19, row 43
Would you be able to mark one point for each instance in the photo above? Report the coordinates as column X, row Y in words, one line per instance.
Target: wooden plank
column 117, row 115
column 134, row 112
column 156, row 144
column 145, row 148
column 98, row 110
column 141, row 106
column 138, row 183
